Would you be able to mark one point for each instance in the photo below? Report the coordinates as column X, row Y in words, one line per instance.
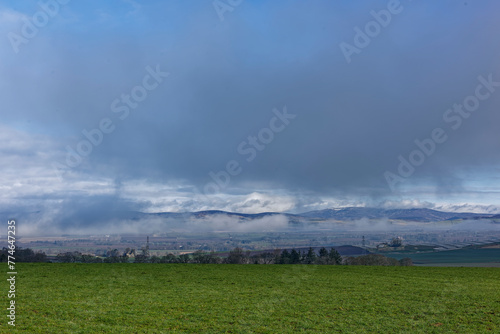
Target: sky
column 248, row 106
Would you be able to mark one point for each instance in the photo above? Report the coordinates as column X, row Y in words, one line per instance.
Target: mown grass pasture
column 191, row 298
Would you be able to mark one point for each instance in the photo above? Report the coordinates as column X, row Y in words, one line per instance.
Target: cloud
column 225, row 223
column 352, row 121
column 378, row 225
column 9, row 17
column 468, row 207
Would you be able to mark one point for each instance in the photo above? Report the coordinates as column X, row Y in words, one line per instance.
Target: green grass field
column 462, row 256
column 190, row 298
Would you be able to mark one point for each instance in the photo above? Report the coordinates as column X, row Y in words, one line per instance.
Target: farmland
column 190, row 298
column 459, row 257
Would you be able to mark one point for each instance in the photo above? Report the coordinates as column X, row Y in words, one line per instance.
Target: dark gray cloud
column 352, row 121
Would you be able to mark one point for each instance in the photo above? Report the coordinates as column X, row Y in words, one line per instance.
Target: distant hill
column 422, row 215
column 203, row 214
column 343, row 214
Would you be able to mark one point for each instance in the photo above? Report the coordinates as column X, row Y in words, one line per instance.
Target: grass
column 189, row 298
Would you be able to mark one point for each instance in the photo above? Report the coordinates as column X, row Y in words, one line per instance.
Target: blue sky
column 354, row 114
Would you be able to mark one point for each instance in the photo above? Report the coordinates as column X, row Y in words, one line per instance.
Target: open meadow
column 483, row 257
column 193, row 298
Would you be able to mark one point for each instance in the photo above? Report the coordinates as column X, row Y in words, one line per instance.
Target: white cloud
column 28, row 178
column 176, row 196
column 406, row 204
column 230, row 224
column 468, row 207
column 10, row 17
column 28, row 182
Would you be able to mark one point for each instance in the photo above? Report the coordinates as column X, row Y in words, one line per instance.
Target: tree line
column 240, row 256
column 235, row 256
column 324, row 257
column 23, row 255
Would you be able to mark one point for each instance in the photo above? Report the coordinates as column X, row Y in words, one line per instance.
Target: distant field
column 190, row 298
column 464, row 256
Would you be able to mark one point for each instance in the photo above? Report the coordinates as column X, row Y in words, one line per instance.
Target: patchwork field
column 190, row 298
